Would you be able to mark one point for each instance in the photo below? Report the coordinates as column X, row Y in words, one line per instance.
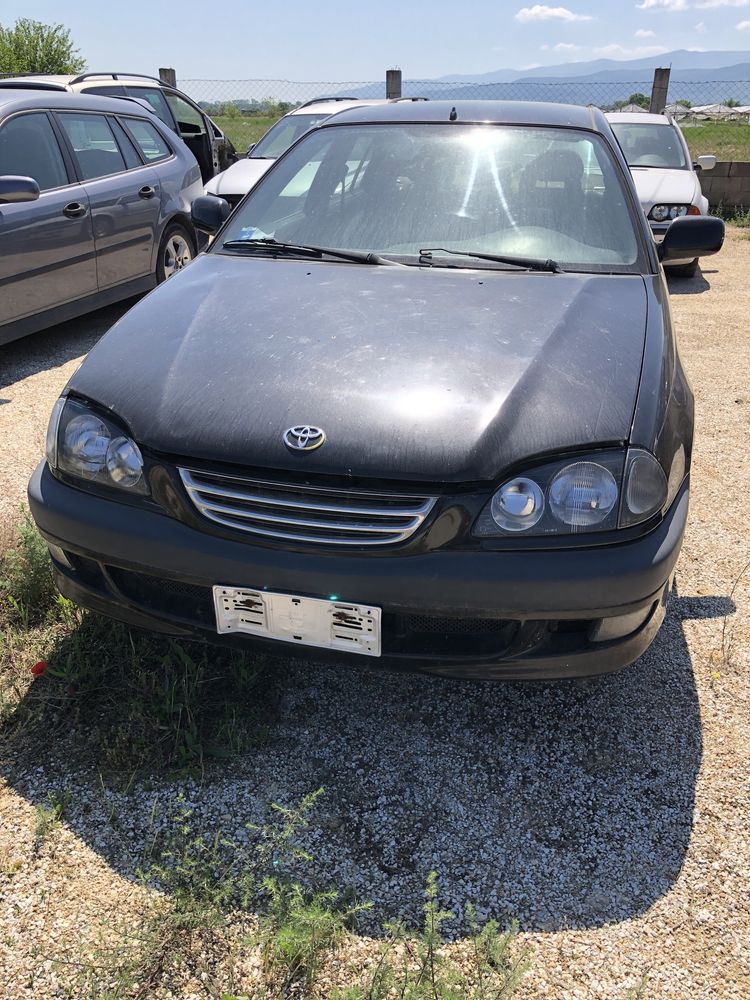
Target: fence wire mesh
column 715, row 114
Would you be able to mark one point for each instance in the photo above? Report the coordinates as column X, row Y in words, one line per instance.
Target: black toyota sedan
column 420, row 404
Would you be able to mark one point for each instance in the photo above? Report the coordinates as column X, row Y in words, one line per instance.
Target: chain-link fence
column 715, row 114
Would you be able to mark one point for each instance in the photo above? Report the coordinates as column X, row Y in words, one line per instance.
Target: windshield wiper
column 531, row 263
column 271, row 245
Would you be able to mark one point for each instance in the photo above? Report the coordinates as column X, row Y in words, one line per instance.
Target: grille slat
column 304, row 513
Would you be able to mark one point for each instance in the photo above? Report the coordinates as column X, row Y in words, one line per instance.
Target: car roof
column 497, row 112
column 634, row 118
column 19, row 99
column 334, row 105
column 59, row 81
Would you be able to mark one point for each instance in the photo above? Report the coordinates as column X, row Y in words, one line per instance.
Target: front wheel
column 176, row 250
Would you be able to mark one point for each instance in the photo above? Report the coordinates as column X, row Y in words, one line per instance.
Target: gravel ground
column 610, row 817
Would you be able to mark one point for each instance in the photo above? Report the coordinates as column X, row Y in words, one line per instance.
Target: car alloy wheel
column 177, row 254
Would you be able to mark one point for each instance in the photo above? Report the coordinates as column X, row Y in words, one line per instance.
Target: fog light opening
column 619, row 626
column 59, row 556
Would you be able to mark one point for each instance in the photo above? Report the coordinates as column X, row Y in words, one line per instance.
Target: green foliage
column 27, row 591
column 418, row 968
column 731, row 102
column 141, row 703
column 684, row 103
column 50, row 815
column 32, row 47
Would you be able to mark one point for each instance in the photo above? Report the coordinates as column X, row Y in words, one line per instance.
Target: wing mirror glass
column 209, row 213
column 14, row 189
column 250, row 148
column 692, row 236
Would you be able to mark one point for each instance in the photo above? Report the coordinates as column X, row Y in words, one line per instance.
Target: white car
column 234, row 182
column 667, row 181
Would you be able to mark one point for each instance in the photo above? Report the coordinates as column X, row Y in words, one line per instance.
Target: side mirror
column 251, row 147
column 209, row 213
column 14, row 189
column 707, row 161
column 692, row 236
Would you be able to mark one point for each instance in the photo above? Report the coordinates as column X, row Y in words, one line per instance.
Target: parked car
column 666, row 179
column 206, row 141
column 111, row 216
column 234, row 182
column 427, row 412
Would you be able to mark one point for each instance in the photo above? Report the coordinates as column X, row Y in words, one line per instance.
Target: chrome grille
column 304, row 513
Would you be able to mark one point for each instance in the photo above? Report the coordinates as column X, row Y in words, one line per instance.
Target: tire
column 684, row 270
column 176, row 250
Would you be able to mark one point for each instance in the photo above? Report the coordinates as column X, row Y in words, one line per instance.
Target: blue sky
column 337, row 40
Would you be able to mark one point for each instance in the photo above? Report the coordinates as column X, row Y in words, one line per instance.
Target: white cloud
column 541, row 12
column 671, row 5
column 678, row 5
column 743, row 26
column 615, row 51
column 561, row 47
column 642, row 33
column 532, row 66
column 700, row 27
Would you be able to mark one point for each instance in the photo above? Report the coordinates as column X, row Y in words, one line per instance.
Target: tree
column 731, row 102
column 684, row 103
column 641, row 99
column 32, row 47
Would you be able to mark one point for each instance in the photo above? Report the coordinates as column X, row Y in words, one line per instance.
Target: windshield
column 286, row 131
column 651, row 145
column 396, row 189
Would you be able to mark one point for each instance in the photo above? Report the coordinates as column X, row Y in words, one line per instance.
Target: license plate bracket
column 304, row 621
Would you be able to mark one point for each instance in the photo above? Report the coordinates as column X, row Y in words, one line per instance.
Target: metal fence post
column 393, row 83
column 659, row 89
column 168, row 76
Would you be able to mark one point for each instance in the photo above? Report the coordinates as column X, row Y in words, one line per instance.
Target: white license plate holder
column 304, row 621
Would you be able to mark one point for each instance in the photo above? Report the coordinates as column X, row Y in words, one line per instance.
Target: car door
column 47, row 252
column 123, row 192
column 196, row 132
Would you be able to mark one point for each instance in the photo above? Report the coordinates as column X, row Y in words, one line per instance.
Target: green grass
column 133, row 702
column 244, row 130
column 728, row 140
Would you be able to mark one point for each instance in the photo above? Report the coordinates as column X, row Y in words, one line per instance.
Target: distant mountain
column 700, row 77
column 680, row 60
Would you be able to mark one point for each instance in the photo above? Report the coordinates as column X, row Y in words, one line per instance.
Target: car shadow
column 56, row 345
column 564, row 805
column 688, row 286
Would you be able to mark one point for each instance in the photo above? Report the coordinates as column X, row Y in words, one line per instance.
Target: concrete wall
column 727, row 184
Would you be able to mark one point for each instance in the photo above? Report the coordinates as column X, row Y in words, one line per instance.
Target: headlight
column 82, row 443
column 583, row 495
column 661, row 213
column 517, row 505
column 601, row 492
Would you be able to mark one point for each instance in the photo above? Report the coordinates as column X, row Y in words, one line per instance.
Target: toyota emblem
column 303, row 437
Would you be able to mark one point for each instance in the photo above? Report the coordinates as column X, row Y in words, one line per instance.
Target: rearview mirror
column 707, row 161
column 209, row 213
column 692, row 236
column 14, row 189
column 250, row 148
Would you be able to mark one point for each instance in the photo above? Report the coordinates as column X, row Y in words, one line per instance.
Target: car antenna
column 453, row 115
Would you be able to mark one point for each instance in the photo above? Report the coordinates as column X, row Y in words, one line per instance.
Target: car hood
column 659, row 186
column 415, row 374
column 239, row 178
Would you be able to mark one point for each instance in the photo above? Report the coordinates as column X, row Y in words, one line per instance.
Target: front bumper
column 501, row 614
